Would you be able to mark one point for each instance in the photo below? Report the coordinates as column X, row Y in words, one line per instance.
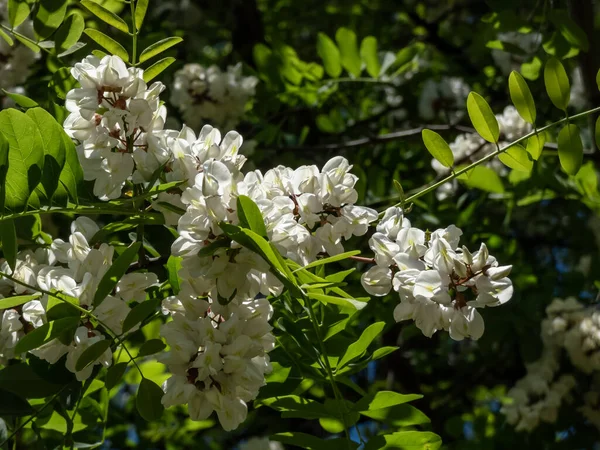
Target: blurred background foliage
column 304, row 112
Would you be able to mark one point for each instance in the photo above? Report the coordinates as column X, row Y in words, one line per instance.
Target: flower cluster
column 448, row 96
column 470, row 147
column 210, row 95
column 219, row 335
column 111, row 115
column 17, row 58
column 74, row 269
column 440, row 285
column 569, row 328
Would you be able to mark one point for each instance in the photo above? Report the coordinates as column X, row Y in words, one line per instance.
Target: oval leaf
column 21, row 100
column 148, row 400
column 557, row 83
column 49, row 16
column 349, row 56
column 484, row 178
column 159, row 47
column 521, row 97
column 141, row 6
column 517, row 158
column 155, row 69
column 482, row 117
column 330, row 55
column 114, row 375
column 368, row 53
column 597, row 132
column 151, row 347
column 250, row 216
column 438, row 147
column 91, row 354
column 570, row 149
column 17, row 300
column 139, row 313
column 105, row 15
column 535, row 145
column 69, row 32
column 46, row 333
column 108, row 43
column 18, row 10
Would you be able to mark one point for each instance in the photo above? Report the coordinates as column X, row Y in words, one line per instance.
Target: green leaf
column 8, row 235
column 75, row 47
column 173, row 267
column 484, row 178
column 53, row 146
column 384, row 399
column 405, row 440
column 14, row 405
column 25, row 157
column 330, row 259
column 17, row 300
column 51, row 330
column 293, row 406
column 358, row 348
column 159, row 47
column 140, row 312
column 151, row 347
column 49, row 16
column 105, row 15
column 516, row 157
column 340, row 301
column 69, row 32
column 158, row 67
column 22, row 380
column 568, row 28
column 18, row 10
column 116, row 272
column 368, row 53
column 141, row 6
column 71, row 176
column 28, row 43
column 598, row 79
column 438, row 147
column 108, row 43
column 557, row 83
column 6, row 37
column 4, row 152
column 114, row 375
column 148, row 400
column 250, row 216
column 91, row 354
column 521, row 97
column 535, row 145
column 349, row 56
column 570, row 149
column 21, row 100
column 482, row 117
column 531, row 70
column 330, row 55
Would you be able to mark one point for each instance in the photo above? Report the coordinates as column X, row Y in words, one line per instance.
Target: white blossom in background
column 209, row 95
column 74, row 268
column 17, row 58
column 445, row 98
column 572, row 329
column 440, row 284
column 470, row 147
column 261, row 444
column 526, row 42
column 578, row 99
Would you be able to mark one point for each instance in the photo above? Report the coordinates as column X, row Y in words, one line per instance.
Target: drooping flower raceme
column 572, row 329
column 440, row 284
column 74, row 269
column 208, row 95
column 219, row 333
